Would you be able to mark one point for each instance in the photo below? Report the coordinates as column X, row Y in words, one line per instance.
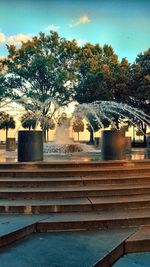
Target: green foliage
column 29, row 120
column 47, row 123
column 140, row 85
column 42, row 69
column 2, row 86
column 48, row 72
column 78, row 126
column 100, row 75
column 4, row 91
column 93, row 67
column 6, row 122
column 91, row 88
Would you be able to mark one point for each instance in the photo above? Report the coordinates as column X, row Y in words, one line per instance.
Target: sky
column 123, row 24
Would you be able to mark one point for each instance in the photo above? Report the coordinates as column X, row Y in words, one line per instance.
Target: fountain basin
column 52, row 148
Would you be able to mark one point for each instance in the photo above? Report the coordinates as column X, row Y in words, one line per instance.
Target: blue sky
column 124, row 24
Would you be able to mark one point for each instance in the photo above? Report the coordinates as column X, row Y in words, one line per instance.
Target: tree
column 102, row 77
column 29, row 120
column 6, row 122
column 92, row 126
column 93, row 64
column 4, row 91
column 41, row 73
column 140, row 86
column 2, row 88
column 78, row 126
column 47, row 123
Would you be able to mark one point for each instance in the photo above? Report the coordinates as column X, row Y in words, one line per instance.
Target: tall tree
column 101, row 76
column 93, row 65
column 41, row 72
column 140, row 86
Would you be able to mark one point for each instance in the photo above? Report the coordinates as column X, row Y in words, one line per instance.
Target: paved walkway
column 62, row 249
column 11, row 222
column 134, row 260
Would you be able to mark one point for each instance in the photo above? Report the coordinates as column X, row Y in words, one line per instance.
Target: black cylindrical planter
column 113, row 145
column 30, row 146
column 148, row 140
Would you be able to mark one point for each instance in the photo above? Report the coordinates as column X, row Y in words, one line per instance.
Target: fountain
column 113, row 142
column 63, row 143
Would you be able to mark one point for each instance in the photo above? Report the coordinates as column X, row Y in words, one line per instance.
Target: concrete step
column 95, row 220
column 76, row 191
column 73, row 247
column 18, row 182
column 16, row 226
column 132, row 179
column 71, row 181
column 120, row 202
column 76, row 172
column 56, row 205
column 73, row 164
column 45, row 206
column 139, row 241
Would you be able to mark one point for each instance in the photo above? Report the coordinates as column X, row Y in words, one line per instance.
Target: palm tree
column 7, row 122
column 78, row 126
column 47, row 123
column 29, row 120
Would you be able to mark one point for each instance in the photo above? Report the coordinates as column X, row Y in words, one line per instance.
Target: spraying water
column 108, row 109
column 100, row 110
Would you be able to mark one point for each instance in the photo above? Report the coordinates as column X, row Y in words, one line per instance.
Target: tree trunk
column 6, row 133
column 47, row 136
column 91, row 137
column 133, row 141
column 44, row 135
column 144, row 129
column 117, row 121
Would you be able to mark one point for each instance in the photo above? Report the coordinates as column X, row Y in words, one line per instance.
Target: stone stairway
column 78, row 195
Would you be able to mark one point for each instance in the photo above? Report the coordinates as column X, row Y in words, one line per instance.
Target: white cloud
column 17, row 39
column 51, row 27
column 82, row 20
column 2, row 37
column 81, row 42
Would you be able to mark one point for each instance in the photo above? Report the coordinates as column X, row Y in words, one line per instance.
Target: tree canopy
column 48, row 72
column 7, row 122
column 42, row 71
